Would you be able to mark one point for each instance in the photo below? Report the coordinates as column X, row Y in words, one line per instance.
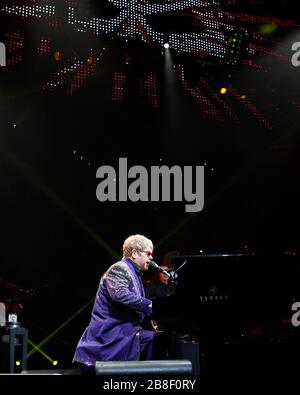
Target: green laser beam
column 59, row 329
column 37, row 348
column 26, row 170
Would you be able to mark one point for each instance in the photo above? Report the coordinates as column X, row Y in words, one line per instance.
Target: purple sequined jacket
column 119, row 308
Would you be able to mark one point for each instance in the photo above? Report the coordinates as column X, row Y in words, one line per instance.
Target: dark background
column 56, row 237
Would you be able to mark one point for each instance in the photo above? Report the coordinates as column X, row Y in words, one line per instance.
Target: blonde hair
column 138, row 242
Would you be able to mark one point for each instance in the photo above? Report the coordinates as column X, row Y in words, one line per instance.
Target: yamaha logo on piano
column 213, row 295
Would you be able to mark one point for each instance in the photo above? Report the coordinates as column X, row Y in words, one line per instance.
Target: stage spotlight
column 166, row 45
column 54, row 363
column 223, row 91
column 57, row 56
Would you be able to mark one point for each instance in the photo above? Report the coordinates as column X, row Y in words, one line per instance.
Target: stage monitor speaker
column 144, row 367
column 53, row 372
column 189, row 350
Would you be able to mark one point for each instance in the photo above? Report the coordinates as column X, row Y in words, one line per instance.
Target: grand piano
column 237, row 306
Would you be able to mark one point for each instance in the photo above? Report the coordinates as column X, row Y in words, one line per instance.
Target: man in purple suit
column 114, row 332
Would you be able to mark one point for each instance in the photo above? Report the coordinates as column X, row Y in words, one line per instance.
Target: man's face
column 141, row 258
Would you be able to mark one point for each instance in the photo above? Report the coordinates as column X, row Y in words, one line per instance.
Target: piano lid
column 234, row 255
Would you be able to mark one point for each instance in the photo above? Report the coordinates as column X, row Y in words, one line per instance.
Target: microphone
column 155, row 266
